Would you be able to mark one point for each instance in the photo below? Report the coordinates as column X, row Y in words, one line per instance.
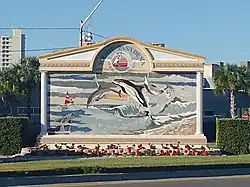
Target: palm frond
column 231, row 77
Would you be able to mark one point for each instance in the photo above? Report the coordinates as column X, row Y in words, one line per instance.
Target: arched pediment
column 121, row 54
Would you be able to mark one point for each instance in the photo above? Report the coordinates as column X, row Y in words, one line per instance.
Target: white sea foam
column 164, row 119
column 61, row 89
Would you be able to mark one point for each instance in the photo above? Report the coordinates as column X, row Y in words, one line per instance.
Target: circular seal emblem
column 121, row 61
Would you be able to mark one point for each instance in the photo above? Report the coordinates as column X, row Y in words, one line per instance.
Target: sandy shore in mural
column 185, row 127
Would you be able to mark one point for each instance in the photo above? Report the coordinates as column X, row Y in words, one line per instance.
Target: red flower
column 138, row 153
column 129, row 149
column 175, row 153
column 205, row 153
column 162, row 152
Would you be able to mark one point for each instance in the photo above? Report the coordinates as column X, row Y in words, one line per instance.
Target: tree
column 7, row 84
column 232, row 78
column 20, row 80
column 27, row 78
column 8, row 89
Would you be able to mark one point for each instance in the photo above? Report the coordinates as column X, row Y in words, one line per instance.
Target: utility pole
column 82, row 23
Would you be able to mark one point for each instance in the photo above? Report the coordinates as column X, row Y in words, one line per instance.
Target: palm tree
column 232, row 78
column 20, row 80
column 27, row 78
column 6, row 85
column 8, row 88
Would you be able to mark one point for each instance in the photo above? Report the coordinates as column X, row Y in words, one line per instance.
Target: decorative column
column 199, row 103
column 44, row 102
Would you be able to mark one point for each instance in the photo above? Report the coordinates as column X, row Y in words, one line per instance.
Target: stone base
column 93, row 140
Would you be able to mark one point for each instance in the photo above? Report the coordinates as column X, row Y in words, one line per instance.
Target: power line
column 48, row 28
column 40, row 28
column 51, row 28
column 98, row 35
column 44, row 49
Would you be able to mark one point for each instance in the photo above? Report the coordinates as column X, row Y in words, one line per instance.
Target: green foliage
column 13, row 134
column 8, row 84
column 27, row 74
column 20, row 80
column 233, row 135
column 231, row 78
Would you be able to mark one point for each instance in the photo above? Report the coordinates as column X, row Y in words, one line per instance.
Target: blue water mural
column 113, row 103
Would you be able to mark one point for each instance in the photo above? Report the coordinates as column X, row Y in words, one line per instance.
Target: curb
column 62, row 179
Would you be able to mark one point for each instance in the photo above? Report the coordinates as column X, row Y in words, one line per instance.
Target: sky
column 216, row 29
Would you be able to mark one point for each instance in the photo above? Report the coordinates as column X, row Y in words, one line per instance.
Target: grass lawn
column 125, row 162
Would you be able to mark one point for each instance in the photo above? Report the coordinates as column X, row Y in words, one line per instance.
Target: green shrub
column 233, row 135
column 13, row 134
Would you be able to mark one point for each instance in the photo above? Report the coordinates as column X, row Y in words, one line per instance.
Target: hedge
column 233, row 136
column 15, row 133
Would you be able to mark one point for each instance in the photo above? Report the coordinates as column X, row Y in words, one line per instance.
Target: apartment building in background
column 246, row 63
column 12, row 48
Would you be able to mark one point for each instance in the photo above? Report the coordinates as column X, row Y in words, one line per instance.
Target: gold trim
column 65, row 61
column 172, row 51
column 65, row 64
column 179, row 65
column 65, row 69
column 177, row 61
column 73, row 53
column 117, row 39
column 178, row 69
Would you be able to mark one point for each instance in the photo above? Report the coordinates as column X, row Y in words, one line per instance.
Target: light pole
column 82, row 23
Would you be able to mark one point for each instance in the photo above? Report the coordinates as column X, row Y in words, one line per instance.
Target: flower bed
column 117, row 150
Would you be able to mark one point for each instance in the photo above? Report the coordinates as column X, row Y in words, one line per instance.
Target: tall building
column 246, row 63
column 12, row 48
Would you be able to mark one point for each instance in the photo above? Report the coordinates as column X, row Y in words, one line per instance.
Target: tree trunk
column 232, row 104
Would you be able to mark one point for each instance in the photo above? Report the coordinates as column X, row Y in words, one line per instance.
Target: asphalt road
column 236, row 181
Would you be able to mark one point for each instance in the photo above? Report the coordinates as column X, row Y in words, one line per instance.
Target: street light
column 82, row 23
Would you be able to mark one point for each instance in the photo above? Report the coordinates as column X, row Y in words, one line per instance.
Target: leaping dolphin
column 152, row 89
column 100, row 93
column 134, row 91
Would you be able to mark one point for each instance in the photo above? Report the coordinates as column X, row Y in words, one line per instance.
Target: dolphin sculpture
column 100, row 93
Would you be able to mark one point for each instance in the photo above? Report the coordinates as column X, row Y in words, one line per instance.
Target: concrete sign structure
column 122, row 91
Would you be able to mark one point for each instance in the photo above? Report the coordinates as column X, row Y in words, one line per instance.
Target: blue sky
column 217, row 29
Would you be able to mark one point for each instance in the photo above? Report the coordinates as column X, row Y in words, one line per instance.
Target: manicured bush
column 233, row 135
column 13, row 134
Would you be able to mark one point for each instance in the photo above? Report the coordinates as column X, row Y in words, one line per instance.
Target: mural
column 123, row 103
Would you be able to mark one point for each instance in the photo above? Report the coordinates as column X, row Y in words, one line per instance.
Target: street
column 232, row 181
